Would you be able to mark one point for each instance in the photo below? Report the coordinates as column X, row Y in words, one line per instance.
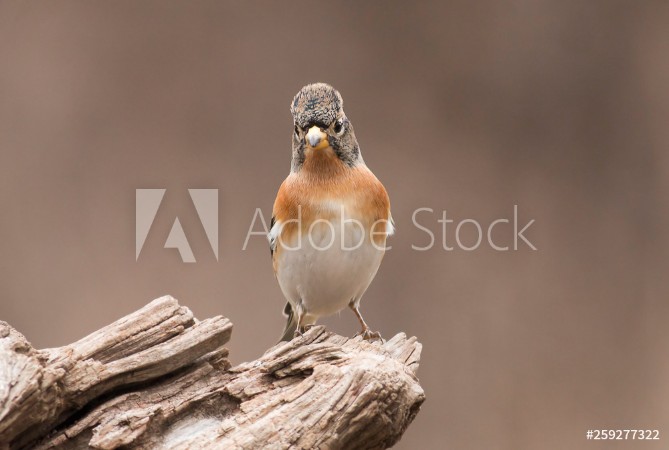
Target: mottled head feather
column 320, row 104
column 316, row 104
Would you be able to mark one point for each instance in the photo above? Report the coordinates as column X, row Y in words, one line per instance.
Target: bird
column 331, row 217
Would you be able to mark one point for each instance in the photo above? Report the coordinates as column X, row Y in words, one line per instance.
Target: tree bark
column 159, row 378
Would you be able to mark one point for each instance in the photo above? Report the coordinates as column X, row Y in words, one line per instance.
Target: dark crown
column 316, row 104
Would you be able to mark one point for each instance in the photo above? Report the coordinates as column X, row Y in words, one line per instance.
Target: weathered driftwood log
column 159, row 378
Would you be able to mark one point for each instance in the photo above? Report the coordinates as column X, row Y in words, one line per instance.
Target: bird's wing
column 282, row 213
column 273, row 237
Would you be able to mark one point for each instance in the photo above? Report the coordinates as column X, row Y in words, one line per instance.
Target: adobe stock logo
column 147, row 202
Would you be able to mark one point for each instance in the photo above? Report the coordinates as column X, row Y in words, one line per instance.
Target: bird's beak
column 316, row 138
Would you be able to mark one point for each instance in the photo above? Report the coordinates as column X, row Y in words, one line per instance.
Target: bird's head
column 321, row 128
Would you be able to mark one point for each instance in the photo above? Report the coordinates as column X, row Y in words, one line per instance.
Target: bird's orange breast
column 308, row 195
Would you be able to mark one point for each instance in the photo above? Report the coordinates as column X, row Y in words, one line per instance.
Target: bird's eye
column 339, row 127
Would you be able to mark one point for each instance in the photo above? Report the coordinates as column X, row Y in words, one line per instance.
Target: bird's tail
column 291, row 323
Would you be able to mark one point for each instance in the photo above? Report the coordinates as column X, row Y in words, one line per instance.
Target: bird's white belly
column 324, row 273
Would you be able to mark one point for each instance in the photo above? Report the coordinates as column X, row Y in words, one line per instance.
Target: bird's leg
column 366, row 333
column 301, row 329
column 298, row 329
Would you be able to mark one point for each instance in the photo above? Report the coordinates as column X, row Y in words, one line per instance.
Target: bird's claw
column 370, row 335
column 300, row 332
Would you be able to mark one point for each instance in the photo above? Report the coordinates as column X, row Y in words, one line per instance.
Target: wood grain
column 159, row 378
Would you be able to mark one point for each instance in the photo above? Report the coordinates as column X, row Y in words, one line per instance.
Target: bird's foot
column 370, row 335
column 300, row 331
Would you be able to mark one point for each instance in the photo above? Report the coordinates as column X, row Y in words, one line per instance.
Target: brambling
column 331, row 216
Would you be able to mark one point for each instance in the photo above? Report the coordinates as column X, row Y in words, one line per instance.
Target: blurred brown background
column 560, row 107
